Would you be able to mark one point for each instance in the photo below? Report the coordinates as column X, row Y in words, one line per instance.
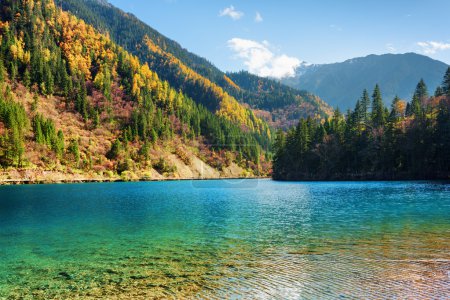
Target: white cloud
column 231, row 12
column 433, row 47
column 390, row 47
column 260, row 60
column 258, row 18
column 335, row 27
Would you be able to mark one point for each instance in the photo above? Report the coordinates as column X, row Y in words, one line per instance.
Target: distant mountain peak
column 341, row 84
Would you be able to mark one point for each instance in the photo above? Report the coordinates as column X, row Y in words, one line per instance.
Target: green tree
column 395, row 114
column 59, row 146
column 27, row 78
column 49, row 81
column 37, row 126
column 421, row 90
column 439, row 91
column 145, row 151
column 446, row 83
column 378, row 112
column 75, row 151
column 416, row 106
column 365, row 104
column 2, row 70
column 115, row 150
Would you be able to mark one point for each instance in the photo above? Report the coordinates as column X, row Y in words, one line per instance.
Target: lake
column 252, row 239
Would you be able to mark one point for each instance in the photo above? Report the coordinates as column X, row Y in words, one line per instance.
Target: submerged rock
column 65, row 275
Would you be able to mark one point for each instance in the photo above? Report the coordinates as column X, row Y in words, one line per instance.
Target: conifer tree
column 378, row 112
column 416, row 106
column 439, row 91
column 75, row 151
column 421, row 90
column 59, row 146
column 2, row 69
column 365, row 104
column 49, row 82
column 38, row 134
column 446, row 83
column 27, row 78
column 408, row 112
column 395, row 114
column 115, row 150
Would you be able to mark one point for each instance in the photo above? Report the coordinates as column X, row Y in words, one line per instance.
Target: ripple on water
column 277, row 241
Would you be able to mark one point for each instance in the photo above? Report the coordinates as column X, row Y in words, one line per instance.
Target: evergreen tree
column 421, row 90
column 115, row 150
column 59, row 146
column 394, row 115
column 439, row 91
column 442, row 136
column 378, row 112
column 365, row 104
column 416, row 106
column 446, row 83
column 154, row 136
column 13, row 72
column 2, row 69
column 38, row 134
column 145, row 151
column 96, row 119
column 409, row 111
column 27, row 78
column 75, row 151
column 49, row 82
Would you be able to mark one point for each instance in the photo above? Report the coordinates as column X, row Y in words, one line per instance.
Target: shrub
column 162, row 167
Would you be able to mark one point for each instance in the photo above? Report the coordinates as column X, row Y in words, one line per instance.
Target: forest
column 409, row 140
column 55, row 56
column 277, row 104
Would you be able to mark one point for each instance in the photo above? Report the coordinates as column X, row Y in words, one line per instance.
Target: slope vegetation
column 73, row 104
column 195, row 75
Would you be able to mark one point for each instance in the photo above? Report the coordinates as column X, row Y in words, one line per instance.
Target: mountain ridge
column 341, row 83
column 119, row 23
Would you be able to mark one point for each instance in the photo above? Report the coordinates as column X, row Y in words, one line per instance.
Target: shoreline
column 16, row 182
column 446, row 180
column 11, row 182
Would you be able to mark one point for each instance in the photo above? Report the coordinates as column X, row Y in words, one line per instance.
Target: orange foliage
column 79, row 41
column 228, row 106
column 231, row 83
column 400, row 108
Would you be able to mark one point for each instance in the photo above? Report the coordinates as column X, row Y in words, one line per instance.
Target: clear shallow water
column 231, row 239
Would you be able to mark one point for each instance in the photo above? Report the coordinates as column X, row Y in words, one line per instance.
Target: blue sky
column 272, row 37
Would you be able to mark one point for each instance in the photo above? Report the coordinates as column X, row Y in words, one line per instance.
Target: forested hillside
column 201, row 80
column 72, row 101
column 408, row 141
column 286, row 105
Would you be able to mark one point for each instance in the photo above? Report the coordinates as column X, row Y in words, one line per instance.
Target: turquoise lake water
column 255, row 239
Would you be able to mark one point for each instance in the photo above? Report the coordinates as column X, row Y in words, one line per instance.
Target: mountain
column 286, row 105
column 200, row 79
column 75, row 105
column 405, row 141
column 341, row 83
